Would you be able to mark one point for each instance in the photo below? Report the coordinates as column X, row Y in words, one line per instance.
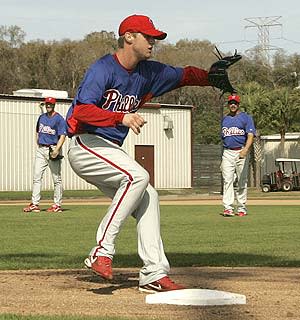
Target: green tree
column 7, row 74
column 285, row 109
column 35, row 67
column 274, row 111
column 255, row 101
column 67, row 65
column 13, row 35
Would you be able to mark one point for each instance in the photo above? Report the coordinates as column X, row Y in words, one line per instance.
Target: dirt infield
column 169, row 200
column 272, row 293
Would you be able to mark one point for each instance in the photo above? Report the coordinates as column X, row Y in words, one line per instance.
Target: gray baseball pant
column 40, row 165
column 108, row 167
column 233, row 167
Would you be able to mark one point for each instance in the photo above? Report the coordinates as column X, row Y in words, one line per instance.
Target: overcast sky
column 221, row 22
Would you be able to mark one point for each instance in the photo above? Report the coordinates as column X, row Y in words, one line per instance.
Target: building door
column 144, row 155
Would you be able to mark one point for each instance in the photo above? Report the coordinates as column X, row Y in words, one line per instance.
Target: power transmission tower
column 263, row 25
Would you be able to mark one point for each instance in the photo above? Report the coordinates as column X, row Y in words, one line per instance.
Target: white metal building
column 163, row 147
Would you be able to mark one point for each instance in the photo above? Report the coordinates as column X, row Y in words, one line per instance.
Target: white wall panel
column 18, row 117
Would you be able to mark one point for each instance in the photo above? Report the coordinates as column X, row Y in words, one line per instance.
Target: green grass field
column 193, row 236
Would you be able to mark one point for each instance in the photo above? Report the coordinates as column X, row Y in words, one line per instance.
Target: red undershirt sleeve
column 193, row 76
column 95, row 116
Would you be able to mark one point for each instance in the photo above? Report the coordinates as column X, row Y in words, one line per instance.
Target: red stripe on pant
column 116, row 167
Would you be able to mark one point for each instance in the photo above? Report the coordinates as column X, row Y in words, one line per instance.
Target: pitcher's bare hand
column 243, row 153
column 133, row 121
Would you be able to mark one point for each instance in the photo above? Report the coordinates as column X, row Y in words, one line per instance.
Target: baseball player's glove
column 218, row 75
column 58, row 157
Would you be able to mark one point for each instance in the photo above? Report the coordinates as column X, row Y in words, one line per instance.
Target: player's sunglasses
column 233, row 102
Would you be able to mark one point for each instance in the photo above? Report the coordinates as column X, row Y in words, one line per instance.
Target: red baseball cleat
column 228, row 213
column 161, row 285
column 32, row 208
column 54, row 208
column 241, row 213
column 102, row 266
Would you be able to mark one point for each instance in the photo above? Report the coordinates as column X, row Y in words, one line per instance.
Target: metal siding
column 15, row 164
column 172, row 155
column 172, row 164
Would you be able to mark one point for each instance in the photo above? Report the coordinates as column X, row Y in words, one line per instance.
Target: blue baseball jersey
column 111, row 87
column 49, row 129
column 235, row 130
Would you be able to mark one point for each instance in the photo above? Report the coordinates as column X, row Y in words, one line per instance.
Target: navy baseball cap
column 142, row 24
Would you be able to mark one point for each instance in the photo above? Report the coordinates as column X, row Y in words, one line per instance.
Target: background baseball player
column 99, row 119
column 51, row 132
column 238, row 132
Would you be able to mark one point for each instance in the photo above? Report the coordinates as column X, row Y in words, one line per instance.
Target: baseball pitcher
column 104, row 109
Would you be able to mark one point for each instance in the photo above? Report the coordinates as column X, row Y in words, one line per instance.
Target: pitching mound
column 272, row 293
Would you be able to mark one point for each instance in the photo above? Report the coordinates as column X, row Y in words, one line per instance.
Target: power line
column 289, row 40
column 263, row 25
column 233, row 41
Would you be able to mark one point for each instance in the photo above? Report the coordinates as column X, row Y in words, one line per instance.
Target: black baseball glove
column 218, row 75
column 59, row 157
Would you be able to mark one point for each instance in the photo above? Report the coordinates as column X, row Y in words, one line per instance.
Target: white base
column 196, row 297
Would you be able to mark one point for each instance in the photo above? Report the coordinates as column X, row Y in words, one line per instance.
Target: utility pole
column 263, row 25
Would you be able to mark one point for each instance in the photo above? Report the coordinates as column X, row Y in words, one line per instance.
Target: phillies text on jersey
column 116, row 102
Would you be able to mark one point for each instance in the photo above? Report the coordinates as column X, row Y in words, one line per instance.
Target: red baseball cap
column 235, row 98
column 142, row 24
column 50, row 100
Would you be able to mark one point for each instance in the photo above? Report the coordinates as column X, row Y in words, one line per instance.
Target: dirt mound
column 272, row 293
